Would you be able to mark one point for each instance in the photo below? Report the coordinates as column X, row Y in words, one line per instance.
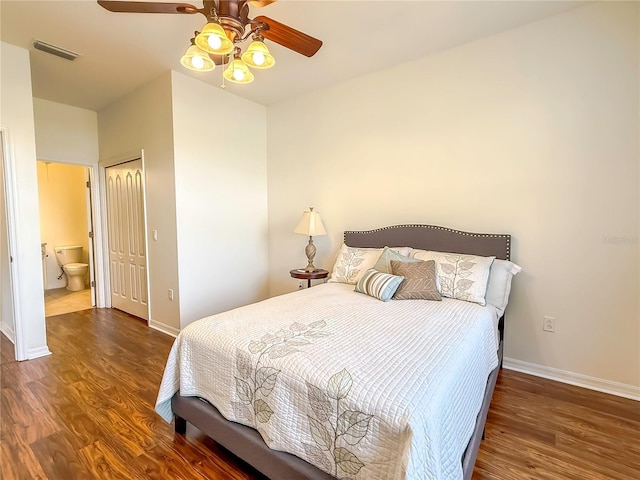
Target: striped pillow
column 379, row 285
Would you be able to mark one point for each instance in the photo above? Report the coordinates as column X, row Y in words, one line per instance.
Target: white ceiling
column 121, row 51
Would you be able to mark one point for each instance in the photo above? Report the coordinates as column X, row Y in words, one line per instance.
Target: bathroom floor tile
column 60, row 300
column 57, row 293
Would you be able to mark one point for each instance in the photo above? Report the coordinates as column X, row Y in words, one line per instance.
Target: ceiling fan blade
column 289, row 37
column 147, row 7
column 262, row 3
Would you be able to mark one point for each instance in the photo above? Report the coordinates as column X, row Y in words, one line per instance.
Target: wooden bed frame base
column 247, row 444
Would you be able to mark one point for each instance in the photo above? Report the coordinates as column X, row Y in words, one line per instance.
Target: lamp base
column 310, row 250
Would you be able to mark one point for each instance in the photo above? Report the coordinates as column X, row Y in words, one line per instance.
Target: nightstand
column 308, row 276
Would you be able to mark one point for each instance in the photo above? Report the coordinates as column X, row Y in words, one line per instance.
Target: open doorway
column 66, row 237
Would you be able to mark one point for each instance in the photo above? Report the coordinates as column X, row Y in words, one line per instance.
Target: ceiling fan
column 228, row 24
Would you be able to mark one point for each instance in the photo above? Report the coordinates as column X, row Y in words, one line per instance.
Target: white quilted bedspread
column 361, row 388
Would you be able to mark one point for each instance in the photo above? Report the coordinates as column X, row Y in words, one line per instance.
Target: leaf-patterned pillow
column 419, row 280
column 352, row 263
column 460, row 276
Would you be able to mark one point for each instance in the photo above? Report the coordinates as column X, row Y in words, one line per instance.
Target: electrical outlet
column 549, row 324
column 170, row 294
column 300, row 286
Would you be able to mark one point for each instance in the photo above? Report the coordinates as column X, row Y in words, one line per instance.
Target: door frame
column 104, row 243
column 94, row 224
column 15, row 251
column 92, row 235
column 98, row 214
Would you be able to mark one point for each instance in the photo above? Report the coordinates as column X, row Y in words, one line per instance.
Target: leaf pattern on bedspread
column 254, row 382
column 332, row 427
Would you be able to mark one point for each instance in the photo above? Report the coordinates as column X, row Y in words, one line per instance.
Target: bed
column 342, row 447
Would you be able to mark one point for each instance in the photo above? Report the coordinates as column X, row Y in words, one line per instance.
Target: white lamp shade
column 310, row 224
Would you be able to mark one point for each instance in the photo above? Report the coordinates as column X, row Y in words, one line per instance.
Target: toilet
column 70, row 258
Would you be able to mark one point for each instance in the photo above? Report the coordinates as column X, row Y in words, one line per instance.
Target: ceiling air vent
column 53, row 50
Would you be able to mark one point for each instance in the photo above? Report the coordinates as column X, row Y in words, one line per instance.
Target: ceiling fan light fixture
column 258, row 55
column 227, row 23
column 238, row 72
column 213, row 39
column 197, row 60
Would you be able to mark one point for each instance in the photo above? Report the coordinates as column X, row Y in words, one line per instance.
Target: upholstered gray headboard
column 431, row 237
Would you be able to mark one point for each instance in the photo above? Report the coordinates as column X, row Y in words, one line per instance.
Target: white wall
column 206, row 193
column 65, row 134
column 143, row 120
column 532, row 132
column 16, row 116
column 69, row 135
column 221, row 198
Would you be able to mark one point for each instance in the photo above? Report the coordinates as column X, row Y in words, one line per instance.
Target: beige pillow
column 419, row 280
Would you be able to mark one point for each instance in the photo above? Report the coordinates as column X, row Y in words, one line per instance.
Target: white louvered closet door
column 127, row 241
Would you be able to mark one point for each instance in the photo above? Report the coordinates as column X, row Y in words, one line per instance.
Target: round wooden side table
column 308, row 276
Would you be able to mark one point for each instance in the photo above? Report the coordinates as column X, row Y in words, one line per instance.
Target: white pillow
column 499, row 285
column 352, row 263
column 406, row 251
column 460, row 276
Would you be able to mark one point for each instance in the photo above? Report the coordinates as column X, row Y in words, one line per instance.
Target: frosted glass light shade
column 258, row 56
column 197, row 59
column 310, row 224
column 238, row 72
column 213, row 39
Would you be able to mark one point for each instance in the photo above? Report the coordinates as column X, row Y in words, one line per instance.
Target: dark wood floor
column 86, row 412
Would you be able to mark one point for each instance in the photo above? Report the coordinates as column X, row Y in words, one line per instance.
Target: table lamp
column 310, row 224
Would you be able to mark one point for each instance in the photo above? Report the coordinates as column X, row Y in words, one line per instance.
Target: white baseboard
column 38, row 352
column 577, row 379
column 8, row 332
column 161, row 327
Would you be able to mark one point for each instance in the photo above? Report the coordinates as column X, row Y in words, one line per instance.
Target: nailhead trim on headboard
column 505, row 237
